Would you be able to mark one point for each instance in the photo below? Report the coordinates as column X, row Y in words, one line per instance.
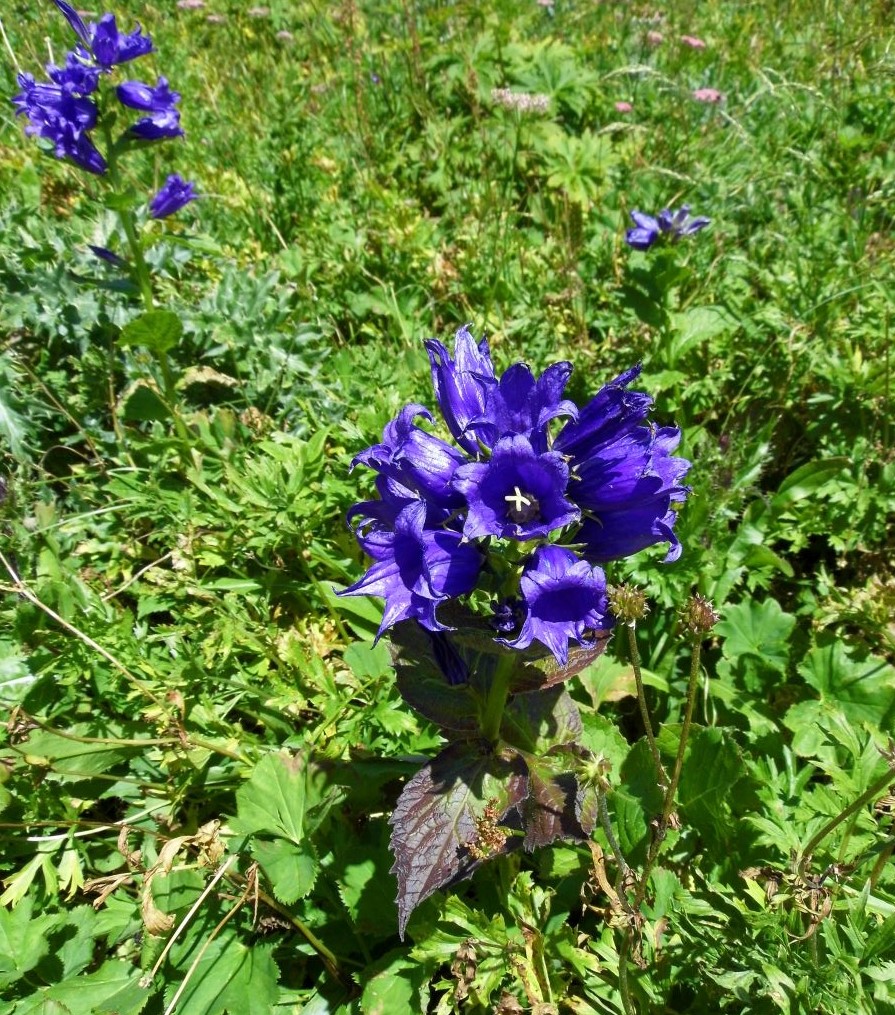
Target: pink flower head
column 692, row 41
column 707, row 95
column 623, row 107
column 655, row 38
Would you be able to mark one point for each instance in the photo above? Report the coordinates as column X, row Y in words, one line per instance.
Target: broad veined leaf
column 273, row 799
column 158, row 330
column 290, row 868
column 760, row 630
column 23, row 941
column 861, row 687
column 437, row 815
column 231, row 977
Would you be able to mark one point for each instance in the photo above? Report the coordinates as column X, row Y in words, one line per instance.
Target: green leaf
column 712, row 766
column 807, row 480
column 291, row 869
column 759, row 630
column 537, row 721
column 23, row 941
column 141, row 402
column 861, row 687
column 273, row 799
column 114, row 989
column 230, row 977
column 635, row 800
column 157, row 330
column 398, row 987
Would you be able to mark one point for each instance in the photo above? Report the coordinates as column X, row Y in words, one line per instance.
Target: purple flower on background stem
column 563, row 598
column 174, row 195
column 667, row 224
column 139, row 95
column 462, row 383
column 56, row 113
column 111, row 47
column 418, row 568
column 517, row 493
column 710, row 95
column 625, row 475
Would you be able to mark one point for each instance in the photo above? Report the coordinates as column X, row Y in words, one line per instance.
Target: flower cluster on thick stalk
column 533, row 495
column 68, row 110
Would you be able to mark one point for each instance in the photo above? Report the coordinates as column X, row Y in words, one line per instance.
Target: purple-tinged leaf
column 439, row 816
column 553, row 808
column 540, row 720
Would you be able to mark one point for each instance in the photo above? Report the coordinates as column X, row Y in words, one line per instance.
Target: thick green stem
column 492, row 713
column 644, row 711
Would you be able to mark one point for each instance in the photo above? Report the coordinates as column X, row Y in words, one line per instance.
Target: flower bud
column 627, row 603
column 699, row 616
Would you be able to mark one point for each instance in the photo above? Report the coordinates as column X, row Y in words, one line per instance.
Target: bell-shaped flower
column 624, row 474
column 668, row 224
column 417, row 568
column 111, row 47
column 562, row 599
column 517, row 494
column 174, row 195
column 462, row 383
column 416, row 459
column 519, row 404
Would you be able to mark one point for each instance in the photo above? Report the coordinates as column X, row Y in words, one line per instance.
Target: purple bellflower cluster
column 532, row 496
column 65, row 109
column 667, row 225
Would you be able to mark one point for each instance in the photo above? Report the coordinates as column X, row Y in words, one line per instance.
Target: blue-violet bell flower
column 626, row 475
column 670, row 224
column 461, row 383
column 563, row 598
column 59, row 114
column 103, row 42
column 516, row 494
column 418, row 569
column 174, row 195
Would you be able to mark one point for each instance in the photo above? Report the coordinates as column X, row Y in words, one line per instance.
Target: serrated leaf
column 157, row 330
column 635, row 800
column 230, row 977
column 23, row 941
column 712, row 766
column 862, row 688
column 113, row 989
column 291, row 869
column 272, row 802
column 436, row 814
column 537, row 721
column 759, row 630
column 556, row 802
column 397, row 986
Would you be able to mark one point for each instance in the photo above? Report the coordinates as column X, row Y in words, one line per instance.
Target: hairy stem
column 644, row 710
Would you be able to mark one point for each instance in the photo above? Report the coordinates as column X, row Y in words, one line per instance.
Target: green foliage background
column 183, row 689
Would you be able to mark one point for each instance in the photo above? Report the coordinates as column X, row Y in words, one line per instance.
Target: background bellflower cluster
column 67, row 109
column 532, row 496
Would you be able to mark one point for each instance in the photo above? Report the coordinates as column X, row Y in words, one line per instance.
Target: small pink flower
column 655, row 38
column 692, row 42
column 623, row 107
column 707, row 95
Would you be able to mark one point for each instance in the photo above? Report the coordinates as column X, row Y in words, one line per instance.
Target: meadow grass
column 169, row 624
